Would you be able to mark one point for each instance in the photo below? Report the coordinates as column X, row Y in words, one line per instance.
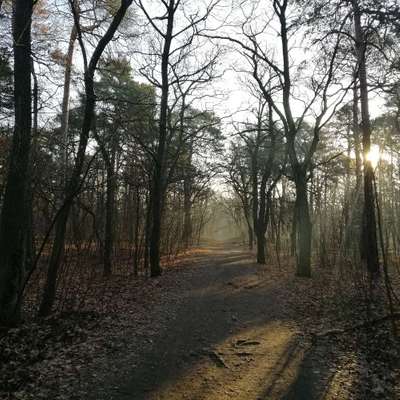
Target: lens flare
column 374, row 155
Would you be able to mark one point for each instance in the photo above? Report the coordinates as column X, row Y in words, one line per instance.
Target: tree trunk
column 264, row 197
column 303, row 228
column 71, row 191
column 57, row 253
column 250, row 236
column 260, row 223
column 369, row 236
column 75, row 181
column 109, row 230
column 187, row 219
column 12, row 225
column 65, row 103
column 348, row 195
column 356, row 136
column 187, row 202
column 30, row 237
column 147, row 228
column 137, row 232
column 159, row 173
column 155, row 235
column 109, row 226
column 260, row 247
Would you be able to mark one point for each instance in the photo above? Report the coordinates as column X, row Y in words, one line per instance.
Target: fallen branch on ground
column 367, row 324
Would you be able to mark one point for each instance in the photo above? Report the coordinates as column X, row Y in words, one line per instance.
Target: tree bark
column 187, row 219
column 30, row 237
column 147, row 233
column 303, row 227
column 261, row 247
column 187, row 201
column 13, row 233
column 370, row 253
column 261, row 223
column 250, row 236
column 65, row 103
column 159, row 168
column 302, row 215
column 137, row 231
column 356, row 136
column 109, row 226
column 109, row 158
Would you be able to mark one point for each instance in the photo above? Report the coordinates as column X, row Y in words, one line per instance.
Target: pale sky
column 226, row 95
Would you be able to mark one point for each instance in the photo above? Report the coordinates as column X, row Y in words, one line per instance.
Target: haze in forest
column 187, row 187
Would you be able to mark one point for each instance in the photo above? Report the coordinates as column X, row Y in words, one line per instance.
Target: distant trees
column 171, row 46
column 124, row 109
column 238, row 178
column 115, row 161
column 275, row 79
column 366, row 33
column 344, row 36
column 259, row 154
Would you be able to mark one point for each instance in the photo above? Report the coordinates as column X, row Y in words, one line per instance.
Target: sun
column 374, row 155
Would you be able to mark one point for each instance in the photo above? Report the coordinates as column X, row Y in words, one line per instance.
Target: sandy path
column 229, row 339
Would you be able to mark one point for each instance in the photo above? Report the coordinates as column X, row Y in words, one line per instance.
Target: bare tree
column 261, row 145
column 175, row 38
column 75, row 181
column 275, row 80
column 239, row 179
column 369, row 234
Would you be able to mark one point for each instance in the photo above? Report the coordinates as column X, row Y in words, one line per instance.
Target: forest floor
column 218, row 326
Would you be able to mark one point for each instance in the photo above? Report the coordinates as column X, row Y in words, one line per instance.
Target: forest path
column 230, row 338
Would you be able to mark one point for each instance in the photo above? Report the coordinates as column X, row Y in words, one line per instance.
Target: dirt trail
column 229, row 339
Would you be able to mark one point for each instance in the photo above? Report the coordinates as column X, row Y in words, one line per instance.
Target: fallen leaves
column 62, row 357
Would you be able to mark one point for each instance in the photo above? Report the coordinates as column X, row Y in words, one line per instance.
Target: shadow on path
column 230, row 339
